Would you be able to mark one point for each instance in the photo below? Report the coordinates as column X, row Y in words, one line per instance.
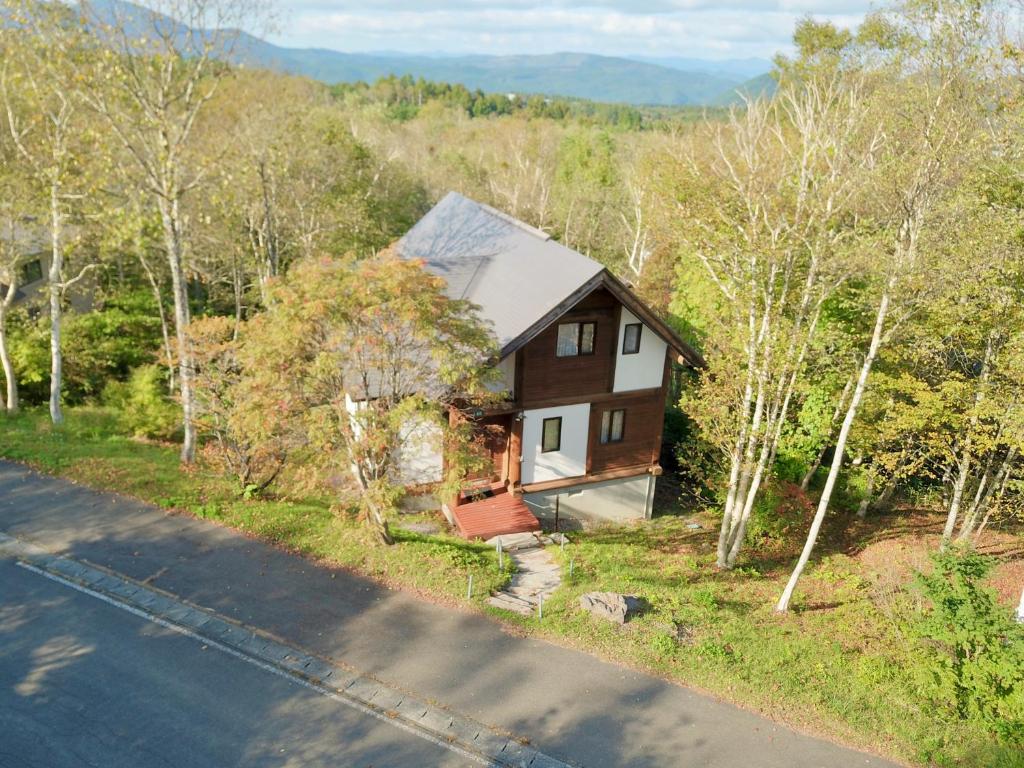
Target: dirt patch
column 901, row 546
column 99, row 472
column 895, row 561
column 1008, row 581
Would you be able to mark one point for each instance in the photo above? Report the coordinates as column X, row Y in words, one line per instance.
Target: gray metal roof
column 514, row 273
column 519, row 277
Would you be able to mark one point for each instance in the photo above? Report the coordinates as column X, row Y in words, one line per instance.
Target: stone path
column 537, row 574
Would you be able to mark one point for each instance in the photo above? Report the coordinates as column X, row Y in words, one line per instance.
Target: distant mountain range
column 654, row 81
column 580, row 75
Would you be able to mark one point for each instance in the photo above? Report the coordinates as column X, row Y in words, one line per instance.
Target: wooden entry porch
column 489, row 504
column 495, row 515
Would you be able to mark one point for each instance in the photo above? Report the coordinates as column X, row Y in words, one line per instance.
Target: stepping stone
column 511, row 603
column 512, row 542
column 537, row 576
column 427, row 529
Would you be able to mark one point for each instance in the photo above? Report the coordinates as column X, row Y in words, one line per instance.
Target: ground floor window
column 613, row 425
column 551, row 435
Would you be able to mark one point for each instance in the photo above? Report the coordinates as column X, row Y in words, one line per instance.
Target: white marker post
column 1020, row 608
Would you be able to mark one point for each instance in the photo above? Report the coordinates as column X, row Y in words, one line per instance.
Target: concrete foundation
column 608, row 501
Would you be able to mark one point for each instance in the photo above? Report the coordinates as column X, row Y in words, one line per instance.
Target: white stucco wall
column 628, row 498
column 645, row 369
column 418, row 458
column 571, row 459
column 507, row 370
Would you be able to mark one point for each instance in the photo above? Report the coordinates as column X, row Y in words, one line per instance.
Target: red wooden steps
column 494, row 516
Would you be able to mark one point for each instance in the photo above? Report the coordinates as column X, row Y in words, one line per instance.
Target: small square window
column 575, row 339
column 31, row 272
column 613, row 425
column 631, row 338
column 551, row 437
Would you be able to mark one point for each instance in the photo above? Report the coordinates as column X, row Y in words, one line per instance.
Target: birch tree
column 158, row 77
column 985, row 351
column 770, row 238
column 926, row 101
column 43, row 117
column 10, row 263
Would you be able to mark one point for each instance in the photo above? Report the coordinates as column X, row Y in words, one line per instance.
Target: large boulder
column 611, row 606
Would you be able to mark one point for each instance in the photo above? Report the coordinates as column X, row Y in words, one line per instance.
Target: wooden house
column 584, row 365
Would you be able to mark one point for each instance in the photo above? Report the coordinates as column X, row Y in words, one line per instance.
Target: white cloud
column 692, row 28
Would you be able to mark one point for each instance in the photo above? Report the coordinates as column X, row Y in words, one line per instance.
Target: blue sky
column 688, row 28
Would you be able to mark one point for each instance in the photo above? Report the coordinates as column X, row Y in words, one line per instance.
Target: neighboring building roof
column 18, row 294
column 519, row 277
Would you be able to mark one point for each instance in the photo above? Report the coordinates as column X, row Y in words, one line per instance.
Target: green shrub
column 98, row 346
column 974, row 646
column 143, row 407
column 779, row 513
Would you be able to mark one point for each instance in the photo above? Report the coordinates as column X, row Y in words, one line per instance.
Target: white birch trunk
column 837, row 460
column 963, row 470
column 55, row 290
column 983, row 505
column 171, row 218
column 736, row 458
column 11, row 381
column 840, row 406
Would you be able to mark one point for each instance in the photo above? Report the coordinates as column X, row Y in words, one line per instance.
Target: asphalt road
column 84, row 683
column 569, row 705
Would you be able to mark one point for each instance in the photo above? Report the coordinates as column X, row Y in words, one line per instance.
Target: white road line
column 418, row 732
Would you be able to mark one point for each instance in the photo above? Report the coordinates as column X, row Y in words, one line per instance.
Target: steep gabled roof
column 519, row 277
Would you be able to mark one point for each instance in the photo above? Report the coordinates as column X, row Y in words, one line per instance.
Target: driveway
column 570, row 705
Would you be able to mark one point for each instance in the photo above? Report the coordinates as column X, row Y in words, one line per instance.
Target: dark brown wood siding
column 546, row 377
column 641, row 434
column 491, row 436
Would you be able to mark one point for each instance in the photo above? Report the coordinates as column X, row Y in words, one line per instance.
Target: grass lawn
column 841, row 664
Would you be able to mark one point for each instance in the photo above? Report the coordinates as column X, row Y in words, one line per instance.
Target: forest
column 194, row 237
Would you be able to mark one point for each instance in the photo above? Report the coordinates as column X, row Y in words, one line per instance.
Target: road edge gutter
column 455, row 732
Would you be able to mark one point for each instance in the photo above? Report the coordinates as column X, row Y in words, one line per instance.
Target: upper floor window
column 613, row 426
column 575, row 339
column 551, row 435
column 31, row 272
column 631, row 338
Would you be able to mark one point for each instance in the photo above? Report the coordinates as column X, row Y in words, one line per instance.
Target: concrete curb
column 436, row 723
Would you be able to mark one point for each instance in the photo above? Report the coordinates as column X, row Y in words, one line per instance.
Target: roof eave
column 551, row 315
column 630, row 300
